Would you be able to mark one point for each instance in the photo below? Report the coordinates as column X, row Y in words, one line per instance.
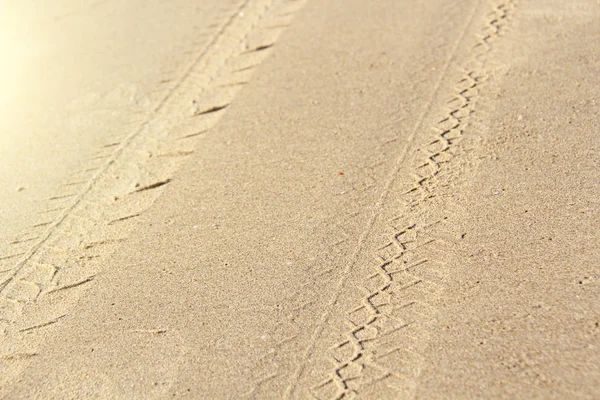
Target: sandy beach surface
column 300, row 199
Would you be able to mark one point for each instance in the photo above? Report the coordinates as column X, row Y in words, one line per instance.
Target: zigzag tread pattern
column 355, row 200
column 379, row 353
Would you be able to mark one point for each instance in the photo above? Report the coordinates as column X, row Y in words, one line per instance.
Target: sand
column 278, row 199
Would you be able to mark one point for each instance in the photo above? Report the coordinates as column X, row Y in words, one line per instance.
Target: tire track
column 379, row 353
column 375, row 215
column 357, row 194
column 66, row 255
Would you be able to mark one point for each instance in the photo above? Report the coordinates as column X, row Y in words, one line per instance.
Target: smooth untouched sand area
column 279, row 199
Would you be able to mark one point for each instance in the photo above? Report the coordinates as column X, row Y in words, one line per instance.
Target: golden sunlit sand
column 279, row 199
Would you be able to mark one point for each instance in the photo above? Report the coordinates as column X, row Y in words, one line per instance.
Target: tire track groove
column 375, row 215
column 360, row 359
column 64, row 256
